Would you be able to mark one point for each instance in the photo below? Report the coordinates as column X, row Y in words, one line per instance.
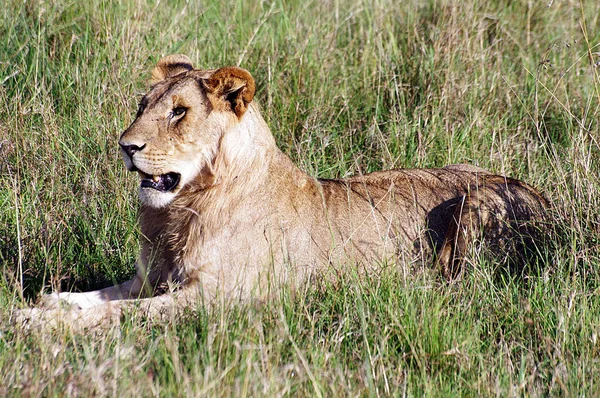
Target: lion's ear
column 170, row 65
column 230, row 88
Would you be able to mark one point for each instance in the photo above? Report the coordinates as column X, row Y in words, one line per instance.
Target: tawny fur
column 244, row 218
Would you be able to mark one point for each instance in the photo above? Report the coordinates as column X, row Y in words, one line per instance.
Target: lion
column 225, row 213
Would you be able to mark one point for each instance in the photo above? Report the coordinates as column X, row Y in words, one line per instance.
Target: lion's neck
column 199, row 213
column 246, row 148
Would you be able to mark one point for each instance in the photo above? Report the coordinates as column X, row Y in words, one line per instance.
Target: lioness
column 225, row 213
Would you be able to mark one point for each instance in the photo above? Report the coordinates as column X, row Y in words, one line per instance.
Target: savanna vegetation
column 347, row 87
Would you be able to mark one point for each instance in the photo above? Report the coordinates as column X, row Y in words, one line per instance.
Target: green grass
column 347, row 87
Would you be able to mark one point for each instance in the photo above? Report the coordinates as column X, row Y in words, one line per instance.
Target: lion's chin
column 156, row 199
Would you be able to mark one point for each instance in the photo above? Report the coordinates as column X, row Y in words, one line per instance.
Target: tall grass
column 347, row 87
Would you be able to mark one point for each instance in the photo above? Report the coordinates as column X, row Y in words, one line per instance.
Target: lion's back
column 407, row 212
column 385, row 213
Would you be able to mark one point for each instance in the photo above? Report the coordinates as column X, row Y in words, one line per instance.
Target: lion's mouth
column 163, row 183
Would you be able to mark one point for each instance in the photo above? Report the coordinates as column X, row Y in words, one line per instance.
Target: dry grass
column 347, row 87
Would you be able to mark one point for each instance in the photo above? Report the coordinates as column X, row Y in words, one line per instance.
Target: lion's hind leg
column 504, row 214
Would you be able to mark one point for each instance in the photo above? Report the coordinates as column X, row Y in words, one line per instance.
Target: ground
column 347, row 87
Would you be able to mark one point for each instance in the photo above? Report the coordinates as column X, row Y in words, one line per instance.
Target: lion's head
column 175, row 138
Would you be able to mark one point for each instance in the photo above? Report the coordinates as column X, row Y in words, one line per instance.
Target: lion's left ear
column 169, row 66
column 230, row 88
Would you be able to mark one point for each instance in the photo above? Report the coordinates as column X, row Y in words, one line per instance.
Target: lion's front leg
column 167, row 305
column 109, row 312
column 87, row 308
column 103, row 315
column 124, row 291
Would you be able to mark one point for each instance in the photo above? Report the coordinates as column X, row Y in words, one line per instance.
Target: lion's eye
column 180, row 110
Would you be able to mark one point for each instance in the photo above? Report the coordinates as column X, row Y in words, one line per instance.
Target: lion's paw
column 37, row 317
column 25, row 316
column 65, row 315
column 55, row 301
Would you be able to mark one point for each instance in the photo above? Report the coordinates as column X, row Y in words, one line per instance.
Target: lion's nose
column 131, row 149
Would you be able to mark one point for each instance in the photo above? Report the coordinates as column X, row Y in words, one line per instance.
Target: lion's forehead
column 163, row 92
column 152, row 123
column 183, row 84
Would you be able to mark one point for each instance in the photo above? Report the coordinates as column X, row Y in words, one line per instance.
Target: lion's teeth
column 155, row 178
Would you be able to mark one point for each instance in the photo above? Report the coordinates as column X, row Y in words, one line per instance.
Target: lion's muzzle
column 160, row 182
column 128, row 151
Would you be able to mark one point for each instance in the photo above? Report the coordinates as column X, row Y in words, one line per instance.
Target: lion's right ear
column 170, row 65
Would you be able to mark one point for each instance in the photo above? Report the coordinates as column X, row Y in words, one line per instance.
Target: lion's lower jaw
column 156, row 199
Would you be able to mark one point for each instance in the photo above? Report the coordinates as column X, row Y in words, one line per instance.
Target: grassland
column 346, row 86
